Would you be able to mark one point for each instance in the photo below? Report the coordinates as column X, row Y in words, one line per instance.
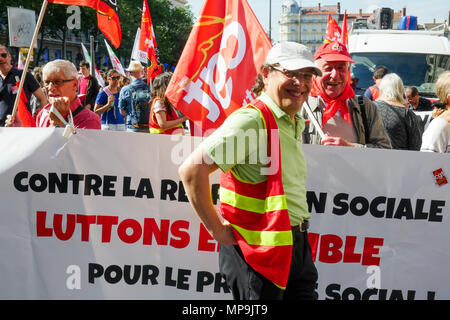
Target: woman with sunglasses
column 107, row 102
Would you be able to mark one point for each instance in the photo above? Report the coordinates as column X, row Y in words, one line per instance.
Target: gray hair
column 67, row 67
column 391, row 88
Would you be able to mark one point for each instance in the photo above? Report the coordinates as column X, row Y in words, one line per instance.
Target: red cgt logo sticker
column 440, row 177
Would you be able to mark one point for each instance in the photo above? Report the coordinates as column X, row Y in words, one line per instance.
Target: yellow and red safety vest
column 154, row 126
column 258, row 213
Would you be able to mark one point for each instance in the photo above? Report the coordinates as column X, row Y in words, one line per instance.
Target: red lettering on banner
column 330, row 248
column 161, row 234
column 107, row 222
column 128, row 230
column 41, row 229
column 70, row 226
column 85, row 222
column 126, row 225
column 177, row 231
column 205, row 241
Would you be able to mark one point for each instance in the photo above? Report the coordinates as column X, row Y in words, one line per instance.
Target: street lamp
column 270, row 20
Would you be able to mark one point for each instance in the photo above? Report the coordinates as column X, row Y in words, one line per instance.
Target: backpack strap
column 362, row 107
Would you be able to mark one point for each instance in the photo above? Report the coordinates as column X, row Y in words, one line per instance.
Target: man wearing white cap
column 264, row 252
column 134, row 100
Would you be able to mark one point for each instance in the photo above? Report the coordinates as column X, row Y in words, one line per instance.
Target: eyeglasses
column 57, row 83
column 3, row 55
column 115, row 78
column 307, row 76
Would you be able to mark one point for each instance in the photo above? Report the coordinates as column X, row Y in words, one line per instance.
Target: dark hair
column 84, row 63
column 414, row 91
column 111, row 72
column 380, row 72
column 159, row 86
column 258, row 87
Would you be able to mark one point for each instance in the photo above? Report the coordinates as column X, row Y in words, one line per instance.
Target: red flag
column 147, row 43
column 333, row 32
column 23, row 113
column 219, row 63
column 107, row 18
column 344, row 32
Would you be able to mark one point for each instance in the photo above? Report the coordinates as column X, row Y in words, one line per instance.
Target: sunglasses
column 3, row 55
column 115, row 78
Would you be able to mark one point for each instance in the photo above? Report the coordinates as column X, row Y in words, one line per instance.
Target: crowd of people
column 383, row 117
column 302, row 98
column 58, row 95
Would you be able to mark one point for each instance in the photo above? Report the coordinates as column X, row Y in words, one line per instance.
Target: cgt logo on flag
column 219, row 63
column 441, row 179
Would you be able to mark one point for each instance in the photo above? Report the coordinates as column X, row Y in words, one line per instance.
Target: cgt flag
column 333, row 32
column 107, row 18
column 344, row 33
column 147, row 43
column 219, row 63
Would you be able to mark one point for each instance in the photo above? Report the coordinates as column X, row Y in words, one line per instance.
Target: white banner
column 104, row 215
column 21, row 25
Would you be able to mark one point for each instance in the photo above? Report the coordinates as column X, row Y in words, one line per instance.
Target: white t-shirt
column 436, row 137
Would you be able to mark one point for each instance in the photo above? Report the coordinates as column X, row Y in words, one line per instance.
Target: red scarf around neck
column 333, row 105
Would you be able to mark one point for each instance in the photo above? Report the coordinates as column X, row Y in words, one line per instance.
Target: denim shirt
column 125, row 102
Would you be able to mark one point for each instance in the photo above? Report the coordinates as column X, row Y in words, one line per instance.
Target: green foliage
column 171, row 25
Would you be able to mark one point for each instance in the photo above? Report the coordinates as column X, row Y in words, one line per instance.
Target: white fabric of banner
column 103, row 215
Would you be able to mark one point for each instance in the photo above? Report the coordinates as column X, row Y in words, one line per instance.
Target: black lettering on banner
column 108, row 186
column 127, row 191
column 55, row 182
column 93, row 183
column 333, row 292
column 374, row 207
column 144, row 188
column 204, row 278
column 76, row 178
column 182, row 197
column 359, row 206
column 215, row 192
column 341, row 207
column 318, row 204
column 180, row 282
column 435, row 208
column 114, row 273
column 18, row 181
column 381, row 206
column 168, row 188
column 404, row 209
column 38, row 182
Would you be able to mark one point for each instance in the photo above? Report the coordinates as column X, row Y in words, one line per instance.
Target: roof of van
column 408, row 41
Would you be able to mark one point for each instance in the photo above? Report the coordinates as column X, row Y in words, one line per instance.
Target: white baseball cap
column 292, row 56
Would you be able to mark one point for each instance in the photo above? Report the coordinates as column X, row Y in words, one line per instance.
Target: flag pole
column 313, row 119
column 30, row 52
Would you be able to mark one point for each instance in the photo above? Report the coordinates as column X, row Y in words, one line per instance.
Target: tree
column 171, row 25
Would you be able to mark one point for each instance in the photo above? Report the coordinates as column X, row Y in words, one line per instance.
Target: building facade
column 308, row 25
column 179, row 3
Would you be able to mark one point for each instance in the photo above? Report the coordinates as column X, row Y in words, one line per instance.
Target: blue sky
column 424, row 10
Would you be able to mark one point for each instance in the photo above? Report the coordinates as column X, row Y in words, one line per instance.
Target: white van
column 417, row 56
